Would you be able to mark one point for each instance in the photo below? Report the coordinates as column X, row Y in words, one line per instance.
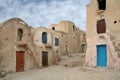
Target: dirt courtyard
column 69, row 68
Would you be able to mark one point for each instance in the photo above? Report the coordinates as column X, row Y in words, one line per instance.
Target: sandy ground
column 69, row 68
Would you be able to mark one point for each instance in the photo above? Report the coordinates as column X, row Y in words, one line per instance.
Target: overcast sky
column 45, row 12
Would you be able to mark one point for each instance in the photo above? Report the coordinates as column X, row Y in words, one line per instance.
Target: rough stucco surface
column 37, row 36
column 71, row 37
column 91, row 55
column 70, row 40
column 8, row 38
column 111, row 37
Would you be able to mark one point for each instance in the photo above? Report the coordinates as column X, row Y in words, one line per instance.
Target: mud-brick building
column 46, row 45
column 103, row 33
column 24, row 48
column 16, row 46
column 70, row 36
column 56, row 45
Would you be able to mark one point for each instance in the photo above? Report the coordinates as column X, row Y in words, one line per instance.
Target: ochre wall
column 111, row 35
column 10, row 45
column 70, row 36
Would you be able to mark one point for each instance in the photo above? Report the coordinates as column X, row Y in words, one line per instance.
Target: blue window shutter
column 56, row 42
column 44, row 37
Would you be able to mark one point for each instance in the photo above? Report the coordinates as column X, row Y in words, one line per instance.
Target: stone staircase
column 31, row 50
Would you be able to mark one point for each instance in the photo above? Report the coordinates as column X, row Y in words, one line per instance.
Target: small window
column 102, row 4
column 53, row 28
column 115, row 22
column 19, row 34
column 73, row 28
column 28, row 34
column 56, row 42
column 44, row 37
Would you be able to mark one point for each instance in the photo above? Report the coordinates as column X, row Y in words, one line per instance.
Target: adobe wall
column 37, row 36
column 9, row 46
column 56, row 49
column 62, row 42
column 111, row 16
column 91, row 53
column 70, row 36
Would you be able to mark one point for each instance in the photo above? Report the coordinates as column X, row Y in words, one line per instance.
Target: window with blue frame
column 44, row 37
column 56, row 42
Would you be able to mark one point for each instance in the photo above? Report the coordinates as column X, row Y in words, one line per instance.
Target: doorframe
column 47, row 59
column 106, row 54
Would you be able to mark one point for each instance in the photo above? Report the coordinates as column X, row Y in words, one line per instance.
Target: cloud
column 45, row 12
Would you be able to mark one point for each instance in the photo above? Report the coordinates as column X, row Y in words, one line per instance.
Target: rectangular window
column 102, row 4
column 56, row 42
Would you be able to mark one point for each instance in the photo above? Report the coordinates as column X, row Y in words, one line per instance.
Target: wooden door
column 101, row 26
column 45, row 59
column 101, row 56
column 19, row 61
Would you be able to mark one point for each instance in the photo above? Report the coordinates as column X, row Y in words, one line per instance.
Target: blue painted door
column 101, row 56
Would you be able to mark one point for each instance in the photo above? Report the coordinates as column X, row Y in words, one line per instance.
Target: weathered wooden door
column 45, row 58
column 101, row 26
column 19, row 61
column 101, row 56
